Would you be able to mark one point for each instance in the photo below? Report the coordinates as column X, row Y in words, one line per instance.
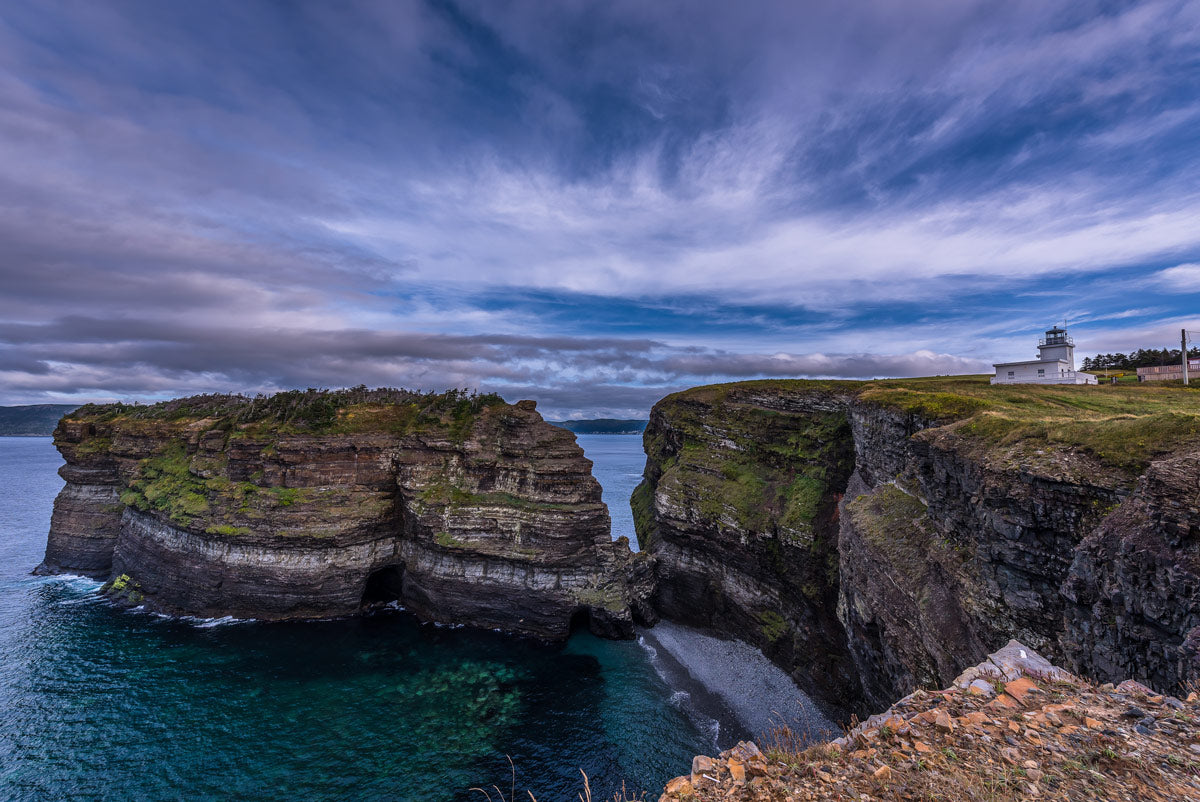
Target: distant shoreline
column 32, row 420
column 602, row 425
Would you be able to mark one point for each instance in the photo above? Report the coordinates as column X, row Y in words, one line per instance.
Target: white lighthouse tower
column 1056, row 345
column 1055, row 364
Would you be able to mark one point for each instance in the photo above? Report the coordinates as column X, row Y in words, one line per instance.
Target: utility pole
column 1183, row 340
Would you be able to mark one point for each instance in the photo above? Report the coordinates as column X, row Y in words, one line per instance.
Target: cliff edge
column 463, row 509
column 873, row 537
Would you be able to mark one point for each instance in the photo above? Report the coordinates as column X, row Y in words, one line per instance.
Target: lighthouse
column 1056, row 345
column 1055, row 364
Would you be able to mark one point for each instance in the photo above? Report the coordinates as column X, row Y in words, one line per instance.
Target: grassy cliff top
column 1124, row 426
column 316, row 411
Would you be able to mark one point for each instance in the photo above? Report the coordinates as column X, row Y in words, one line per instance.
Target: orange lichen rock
column 1058, row 738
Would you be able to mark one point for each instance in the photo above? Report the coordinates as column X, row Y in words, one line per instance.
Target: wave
column 209, row 623
column 91, row 598
column 74, row 580
column 747, row 689
column 199, row 622
column 702, row 708
column 652, row 653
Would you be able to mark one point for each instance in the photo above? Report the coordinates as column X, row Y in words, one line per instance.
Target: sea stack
column 463, row 509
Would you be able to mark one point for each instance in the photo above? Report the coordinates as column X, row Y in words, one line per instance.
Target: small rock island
column 313, row 504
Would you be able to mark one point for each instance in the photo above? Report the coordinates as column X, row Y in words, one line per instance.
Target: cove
column 101, row 703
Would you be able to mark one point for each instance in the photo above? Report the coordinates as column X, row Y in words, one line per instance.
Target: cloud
column 1181, row 278
column 594, row 201
column 80, row 357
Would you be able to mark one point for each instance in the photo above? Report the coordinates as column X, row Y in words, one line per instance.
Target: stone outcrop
column 312, row 505
column 1013, row 727
column 938, row 524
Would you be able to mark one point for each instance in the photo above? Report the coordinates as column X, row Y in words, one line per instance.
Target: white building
column 1055, row 364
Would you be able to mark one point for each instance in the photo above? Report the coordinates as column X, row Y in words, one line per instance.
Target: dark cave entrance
column 384, row 585
column 581, row 620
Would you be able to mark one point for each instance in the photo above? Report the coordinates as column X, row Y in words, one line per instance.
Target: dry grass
column 783, row 745
column 623, row 795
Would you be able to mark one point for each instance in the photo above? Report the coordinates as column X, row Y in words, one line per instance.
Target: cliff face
column 963, row 547
column 463, row 510
column 947, row 518
column 1133, row 591
column 740, row 507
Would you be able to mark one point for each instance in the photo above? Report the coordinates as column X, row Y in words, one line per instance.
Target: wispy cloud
column 1183, row 278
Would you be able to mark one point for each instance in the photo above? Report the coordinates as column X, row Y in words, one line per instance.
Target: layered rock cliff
column 310, row 505
column 873, row 537
column 739, row 507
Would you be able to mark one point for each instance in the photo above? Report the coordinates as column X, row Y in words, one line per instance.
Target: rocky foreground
column 1012, row 727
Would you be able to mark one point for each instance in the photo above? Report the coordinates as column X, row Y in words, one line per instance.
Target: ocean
column 98, row 703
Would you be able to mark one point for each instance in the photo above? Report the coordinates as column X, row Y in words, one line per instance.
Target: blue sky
column 587, row 203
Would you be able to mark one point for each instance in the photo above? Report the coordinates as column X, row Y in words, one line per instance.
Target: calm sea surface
column 618, row 461
column 100, row 704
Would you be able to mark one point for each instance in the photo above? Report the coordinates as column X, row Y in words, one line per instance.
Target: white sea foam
column 703, row 710
column 90, row 599
column 208, row 623
column 652, row 653
column 76, row 581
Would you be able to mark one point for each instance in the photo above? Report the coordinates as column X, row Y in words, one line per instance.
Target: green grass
column 776, row 473
column 94, row 445
column 447, row 540
column 356, row 409
column 228, row 530
column 125, row 588
column 195, row 490
column 287, row 496
column 607, row 597
column 773, row 625
column 642, row 504
column 166, row 485
column 447, row 493
column 1124, row 426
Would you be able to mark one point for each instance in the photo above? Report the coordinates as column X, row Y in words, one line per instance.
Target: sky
column 590, row 204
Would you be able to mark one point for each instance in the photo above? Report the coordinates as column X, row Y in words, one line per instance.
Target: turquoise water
column 100, row 704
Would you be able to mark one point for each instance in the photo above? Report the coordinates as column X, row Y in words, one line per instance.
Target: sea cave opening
column 581, row 620
column 384, row 585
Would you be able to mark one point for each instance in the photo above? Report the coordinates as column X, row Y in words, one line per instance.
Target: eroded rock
column 464, row 510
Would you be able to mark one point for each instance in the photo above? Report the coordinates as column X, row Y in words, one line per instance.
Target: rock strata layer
column 873, row 537
column 312, row 505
